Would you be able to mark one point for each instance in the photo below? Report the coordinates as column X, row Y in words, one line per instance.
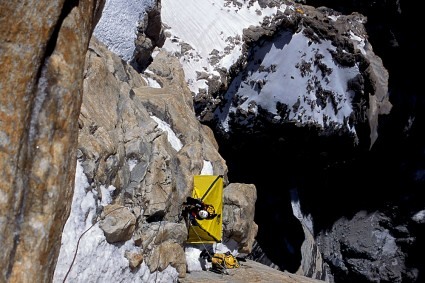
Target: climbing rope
column 79, row 239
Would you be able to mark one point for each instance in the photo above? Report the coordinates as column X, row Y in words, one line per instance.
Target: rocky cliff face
column 122, row 144
column 395, row 207
column 42, row 55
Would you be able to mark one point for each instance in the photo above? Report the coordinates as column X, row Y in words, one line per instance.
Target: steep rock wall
column 123, row 145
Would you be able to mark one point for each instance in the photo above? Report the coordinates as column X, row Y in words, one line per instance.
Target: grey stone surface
column 249, row 271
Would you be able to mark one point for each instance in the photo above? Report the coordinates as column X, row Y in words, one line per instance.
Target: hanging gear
column 210, row 209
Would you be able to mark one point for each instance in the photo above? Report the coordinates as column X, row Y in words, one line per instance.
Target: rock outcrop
column 150, row 35
column 42, row 54
column 238, row 215
column 346, row 34
column 366, row 244
column 311, row 67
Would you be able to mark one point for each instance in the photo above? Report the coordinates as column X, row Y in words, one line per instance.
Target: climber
column 197, row 209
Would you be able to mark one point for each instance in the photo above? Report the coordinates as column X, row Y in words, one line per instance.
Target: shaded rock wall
column 392, row 169
column 341, row 187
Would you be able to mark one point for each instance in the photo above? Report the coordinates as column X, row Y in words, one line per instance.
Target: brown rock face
column 239, row 211
column 42, row 53
column 118, row 224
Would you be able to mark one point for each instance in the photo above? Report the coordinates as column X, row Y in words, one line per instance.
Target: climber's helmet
column 203, row 214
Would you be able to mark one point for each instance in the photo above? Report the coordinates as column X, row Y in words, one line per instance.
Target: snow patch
column 171, row 136
column 207, row 169
column 117, row 27
column 96, row 259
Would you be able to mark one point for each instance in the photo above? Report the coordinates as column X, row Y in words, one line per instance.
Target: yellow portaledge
column 209, row 188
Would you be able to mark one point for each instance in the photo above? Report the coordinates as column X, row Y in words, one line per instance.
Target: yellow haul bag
column 208, row 188
column 224, row 261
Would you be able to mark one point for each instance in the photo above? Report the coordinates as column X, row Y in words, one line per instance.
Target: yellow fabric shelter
column 208, row 188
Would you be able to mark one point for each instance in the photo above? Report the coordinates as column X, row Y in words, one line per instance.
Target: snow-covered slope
column 208, row 34
column 294, row 71
column 294, row 76
column 117, row 26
